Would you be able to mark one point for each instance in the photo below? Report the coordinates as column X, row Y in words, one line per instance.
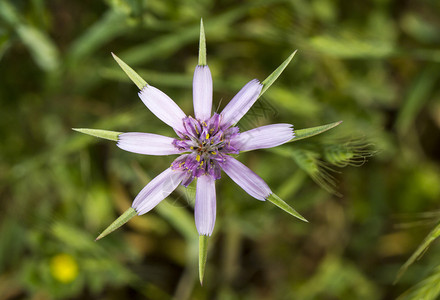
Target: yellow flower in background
column 64, row 268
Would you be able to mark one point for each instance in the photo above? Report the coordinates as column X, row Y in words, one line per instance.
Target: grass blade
column 431, row 237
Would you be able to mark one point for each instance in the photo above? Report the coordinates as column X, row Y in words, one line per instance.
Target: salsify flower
column 205, row 143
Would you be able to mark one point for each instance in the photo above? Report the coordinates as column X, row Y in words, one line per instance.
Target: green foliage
column 427, row 289
column 423, row 247
column 202, row 45
column 284, row 206
column 275, row 74
column 124, row 218
column 373, row 65
column 353, row 153
column 100, row 133
column 203, row 253
column 135, row 77
column 309, row 132
column 41, row 47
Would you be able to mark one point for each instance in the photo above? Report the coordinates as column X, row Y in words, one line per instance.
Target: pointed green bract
column 203, row 251
column 275, row 74
column 309, row 132
column 202, row 45
column 431, row 237
column 103, row 134
column 124, row 218
column 135, row 77
column 284, row 206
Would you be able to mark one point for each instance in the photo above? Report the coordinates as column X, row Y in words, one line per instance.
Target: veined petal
column 241, row 103
column 264, row 137
column 246, row 178
column 205, row 208
column 147, row 143
column 202, row 93
column 163, row 107
column 156, row 190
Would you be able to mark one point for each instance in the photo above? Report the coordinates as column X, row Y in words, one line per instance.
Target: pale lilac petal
column 204, row 210
column 264, row 137
column 241, row 103
column 202, row 93
column 246, row 178
column 147, row 143
column 156, row 190
column 163, row 107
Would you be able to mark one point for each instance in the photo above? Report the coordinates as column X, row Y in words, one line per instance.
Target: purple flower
column 205, row 143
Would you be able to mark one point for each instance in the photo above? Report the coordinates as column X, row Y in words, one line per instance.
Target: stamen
column 207, row 143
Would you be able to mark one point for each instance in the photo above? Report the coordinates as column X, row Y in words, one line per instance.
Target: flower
column 205, row 143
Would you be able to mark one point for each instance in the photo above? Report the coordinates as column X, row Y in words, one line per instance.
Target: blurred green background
column 372, row 64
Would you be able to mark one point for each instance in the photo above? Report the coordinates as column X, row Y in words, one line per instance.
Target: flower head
column 206, row 144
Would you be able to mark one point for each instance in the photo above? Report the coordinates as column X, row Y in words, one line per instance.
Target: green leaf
column 124, row 218
column 309, row 132
column 418, row 93
column 275, row 74
column 351, row 46
column 138, row 80
column 431, row 237
column 203, row 251
column 103, row 134
column 202, row 45
column 427, row 289
column 111, row 25
column 284, row 206
column 41, row 47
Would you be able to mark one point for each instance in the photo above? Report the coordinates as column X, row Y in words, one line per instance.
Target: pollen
column 207, row 136
column 198, row 157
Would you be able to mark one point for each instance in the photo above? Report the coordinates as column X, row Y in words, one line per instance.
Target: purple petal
column 204, row 210
column 163, row 107
column 157, row 190
column 202, row 93
column 241, row 103
column 147, row 143
column 264, row 137
column 246, row 178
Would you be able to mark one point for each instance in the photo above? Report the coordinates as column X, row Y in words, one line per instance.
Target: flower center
column 206, row 144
